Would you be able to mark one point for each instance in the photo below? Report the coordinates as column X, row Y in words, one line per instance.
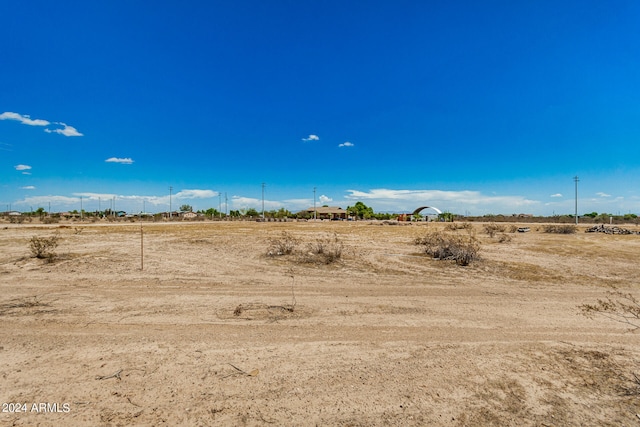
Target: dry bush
column 324, row 250
column 492, row 228
column 513, row 228
column 619, row 306
column 443, row 246
column 284, row 245
column 560, row 228
column 44, row 247
column 453, row 226
column 504, row 238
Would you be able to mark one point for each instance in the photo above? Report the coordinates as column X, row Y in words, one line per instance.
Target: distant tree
column 210, row 213
column 360, row 210
column 591, row 215
column 186, row 208
column 40, row 212
column 251, row 212
column 235, row 213
column 446, row 217
column 281, row 213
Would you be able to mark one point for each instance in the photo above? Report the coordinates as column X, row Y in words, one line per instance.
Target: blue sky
column 472, row 107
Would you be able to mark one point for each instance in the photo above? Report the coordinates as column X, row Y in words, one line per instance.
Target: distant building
column 188, row 215
column 327, row 212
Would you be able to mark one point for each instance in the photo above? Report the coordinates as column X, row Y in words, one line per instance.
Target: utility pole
column 226, row 205
column 219, row 205
column 170, row 191
column 263, row 201
column 575, row 179
column 80, row 208
column 315, row 211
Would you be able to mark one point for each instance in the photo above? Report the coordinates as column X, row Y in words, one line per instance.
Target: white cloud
column 26, row 173
column 66, row 130
column 28, row 187
column 5, row 147
column 556, row 195
column 239, row 202
column 312, row 138
column 196, row 194
column 22, row 167
column 23, row 118
column 601, row 194
column 346, row 144
column 324, row 199
column 474, row 202
column 121, row 160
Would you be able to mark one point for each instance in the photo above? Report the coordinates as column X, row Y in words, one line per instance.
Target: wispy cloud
column 324, row 199
column 556, row 195
column 601, row 194
column 66, row 130
column 239, row 202
column 473, row 202
column 5, row 146
column 121, row 160
column 346, row 144
column 312, row 138
column 25, row 119
column 196, row 194
column 28, row 187
column 22, row 167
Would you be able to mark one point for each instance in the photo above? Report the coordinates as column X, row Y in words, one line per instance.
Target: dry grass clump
column 454, row 226
column 560, row 228
column 44, row 247
column 492, row 228
column 283, row 245
column 443, row 246
column 323, row 250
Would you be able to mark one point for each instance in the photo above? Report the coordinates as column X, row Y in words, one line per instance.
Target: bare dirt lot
column 214, row 332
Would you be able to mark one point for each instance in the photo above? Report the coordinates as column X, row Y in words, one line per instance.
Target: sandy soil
column 208, row 333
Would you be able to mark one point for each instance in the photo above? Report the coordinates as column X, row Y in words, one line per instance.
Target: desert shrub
column 560, row 228
column 618, row 306
column 50, row 220
column 504, row 238
column 16, row 219
column 513, row 228
column 324, row 250
column 44, row 247
column 453, row 226
column 440, row 245
column 492, row 228
column 285, row 244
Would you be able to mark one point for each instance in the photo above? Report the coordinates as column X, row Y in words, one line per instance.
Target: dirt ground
column 212, row 331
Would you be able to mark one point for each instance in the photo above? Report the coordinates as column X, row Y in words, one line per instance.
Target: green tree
column 211, row 212
column 591, row 215
column 360, row 210
column 446, row 217
column 251, row 212
column 186, row 208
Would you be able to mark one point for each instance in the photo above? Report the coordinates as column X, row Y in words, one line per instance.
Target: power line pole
column 315, row 211
column 170, row 191
column 263, row 201
column 219, row 205
column 575, row 179
column 226, row 205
